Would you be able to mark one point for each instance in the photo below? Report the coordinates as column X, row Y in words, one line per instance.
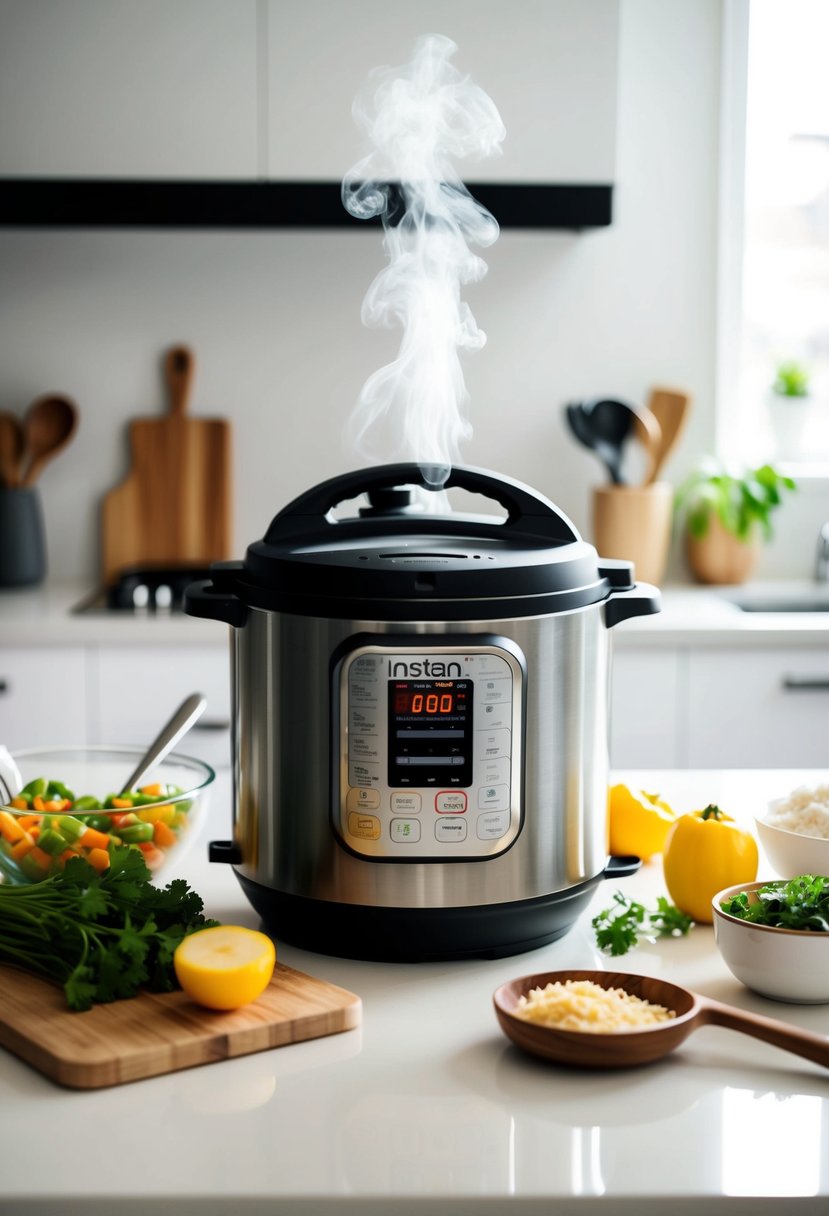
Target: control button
column 362, row 800
column 492, row 743
column 492, row 825
column 495, row 717
column 450, row 802
column 364, row 827
column 493, row 797
column 363, row 747
column 495, row 690
column 405, row 831
column 360, row 722
column 450, row 829
column 360, row 773
column 406, row 804
column 493, row 772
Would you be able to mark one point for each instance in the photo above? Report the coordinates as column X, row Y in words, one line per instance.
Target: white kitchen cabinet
column 111, row 88
column 758, row 708
column 135, row 689
column 43, row 696
column 550, row 66
column 647, row 708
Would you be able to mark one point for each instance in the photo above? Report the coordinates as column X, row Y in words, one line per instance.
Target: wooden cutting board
column 174, row 506
column 156, row 1033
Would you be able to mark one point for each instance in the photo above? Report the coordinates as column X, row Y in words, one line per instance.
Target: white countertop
column 690, row 615
column 428, row 1108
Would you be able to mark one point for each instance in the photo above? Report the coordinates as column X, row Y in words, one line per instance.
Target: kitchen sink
column 783, row 599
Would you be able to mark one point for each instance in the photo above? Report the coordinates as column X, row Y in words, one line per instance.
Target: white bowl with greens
column 774, row 937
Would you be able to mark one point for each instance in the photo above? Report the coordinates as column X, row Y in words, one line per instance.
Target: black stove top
column 144, row 589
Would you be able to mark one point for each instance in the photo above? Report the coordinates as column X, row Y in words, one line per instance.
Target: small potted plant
column 792, row 379
column 789, row 407
column 727, row 517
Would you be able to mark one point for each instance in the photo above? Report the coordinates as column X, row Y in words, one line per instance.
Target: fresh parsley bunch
column 799, row 903
column 103, row 936
column 619, row 927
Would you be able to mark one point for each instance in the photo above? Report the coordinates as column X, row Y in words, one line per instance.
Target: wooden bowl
column 629, row 1048
column 586, row 1049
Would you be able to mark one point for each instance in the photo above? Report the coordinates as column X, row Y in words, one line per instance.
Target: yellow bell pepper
column 639, row 822
column 704, row 853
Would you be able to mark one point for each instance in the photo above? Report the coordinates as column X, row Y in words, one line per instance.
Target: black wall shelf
column 58, row 203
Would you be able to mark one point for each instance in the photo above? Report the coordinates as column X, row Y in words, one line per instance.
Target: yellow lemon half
column 224, row 967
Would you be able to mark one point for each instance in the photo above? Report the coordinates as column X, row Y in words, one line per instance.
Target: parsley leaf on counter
column 101, row 935
column 619, row 928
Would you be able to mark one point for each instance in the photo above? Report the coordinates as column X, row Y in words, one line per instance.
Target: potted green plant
column 791, row 380
column 790, row 408
column 727, row 517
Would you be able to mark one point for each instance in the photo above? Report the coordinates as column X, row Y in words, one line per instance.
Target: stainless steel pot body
column 285, row 757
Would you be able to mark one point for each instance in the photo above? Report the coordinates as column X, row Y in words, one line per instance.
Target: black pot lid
column 392, row 561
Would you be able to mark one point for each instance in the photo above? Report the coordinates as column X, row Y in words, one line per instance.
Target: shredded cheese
column 583, row 1005
column 805, row 811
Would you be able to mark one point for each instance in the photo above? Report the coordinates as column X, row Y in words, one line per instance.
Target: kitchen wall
column 274, row 318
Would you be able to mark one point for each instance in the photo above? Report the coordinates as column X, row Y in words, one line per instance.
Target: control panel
column 430, row 750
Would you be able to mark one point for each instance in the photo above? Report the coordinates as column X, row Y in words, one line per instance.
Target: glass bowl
column 69, row 806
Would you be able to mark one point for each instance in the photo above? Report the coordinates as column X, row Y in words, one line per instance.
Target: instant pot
column 420, row 717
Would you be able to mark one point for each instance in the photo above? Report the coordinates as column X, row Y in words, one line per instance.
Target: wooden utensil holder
column 634, row 523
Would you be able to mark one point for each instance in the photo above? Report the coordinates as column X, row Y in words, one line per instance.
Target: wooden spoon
column 11, row 448
column 670, row 408
column 584, row 1049
column 647, row 430
column 49, row 424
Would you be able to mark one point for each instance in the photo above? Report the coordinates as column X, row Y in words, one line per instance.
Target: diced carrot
column 98, row 859
column 22, row 847
column 156, row 790
column 37, row 802
column 93, row 839
column 56, row 804
column 10, row 828
column 163, row 836
column 152, row 856
column 66, row 854
column 34, row 831
column 122, row 802
column 20, row 804
column 42, row 860
column 29, row 821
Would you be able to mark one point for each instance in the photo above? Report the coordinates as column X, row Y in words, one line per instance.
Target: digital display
column 424, row 703
column 430, row 732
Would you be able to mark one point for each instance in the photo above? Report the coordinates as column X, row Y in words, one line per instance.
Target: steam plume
column 420, row 119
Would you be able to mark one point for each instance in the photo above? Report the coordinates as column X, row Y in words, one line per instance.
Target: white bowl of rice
column 794, row 832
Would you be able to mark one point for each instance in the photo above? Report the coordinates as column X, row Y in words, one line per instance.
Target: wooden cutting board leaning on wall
column 174, row 506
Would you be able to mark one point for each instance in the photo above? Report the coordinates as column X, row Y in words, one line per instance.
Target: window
column 774, row 256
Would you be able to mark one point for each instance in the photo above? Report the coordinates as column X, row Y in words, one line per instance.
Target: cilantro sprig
column 103, row 936
column 799, row 903
column 619, row 927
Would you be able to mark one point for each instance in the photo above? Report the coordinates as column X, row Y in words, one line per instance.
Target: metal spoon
column 49, row 424
column 11, row 448
column 583, row 1049
column 184, row 717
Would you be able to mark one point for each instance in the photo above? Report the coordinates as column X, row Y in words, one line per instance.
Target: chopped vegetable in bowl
column 47, row 823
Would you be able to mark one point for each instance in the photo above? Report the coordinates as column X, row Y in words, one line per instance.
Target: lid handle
column 527, row 511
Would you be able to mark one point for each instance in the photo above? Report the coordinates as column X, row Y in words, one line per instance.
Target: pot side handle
column 204, row 599
column 641, row 600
